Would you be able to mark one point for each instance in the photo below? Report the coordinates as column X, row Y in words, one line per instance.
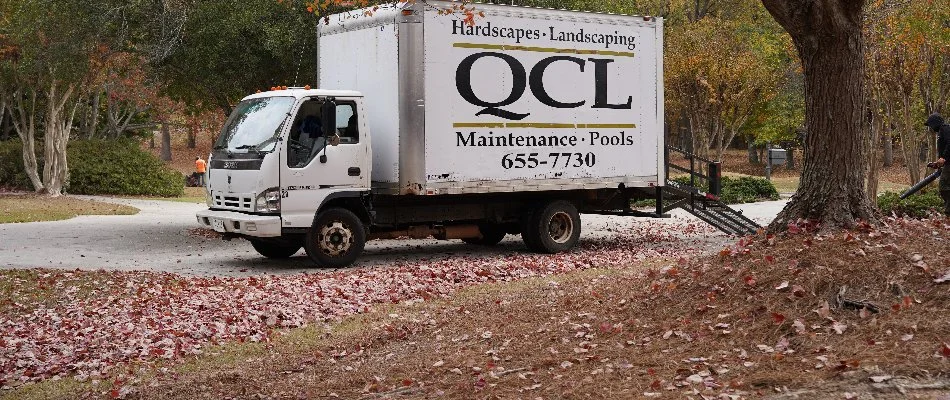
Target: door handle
column 353, row 171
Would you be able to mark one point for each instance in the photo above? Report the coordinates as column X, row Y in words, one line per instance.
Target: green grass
column 192, row 195
column 789, row 184
column 33, row 208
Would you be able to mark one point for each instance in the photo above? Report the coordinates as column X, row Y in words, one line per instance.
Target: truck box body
column 525, row 99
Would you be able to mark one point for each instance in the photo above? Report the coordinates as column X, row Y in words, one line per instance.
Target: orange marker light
column 306, row 87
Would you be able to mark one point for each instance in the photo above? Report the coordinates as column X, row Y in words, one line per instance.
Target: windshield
column 254, row 125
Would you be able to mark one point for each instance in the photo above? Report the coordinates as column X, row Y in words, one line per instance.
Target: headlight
column 268, row 201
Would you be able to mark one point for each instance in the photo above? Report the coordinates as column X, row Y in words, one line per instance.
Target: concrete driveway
column 157, row 239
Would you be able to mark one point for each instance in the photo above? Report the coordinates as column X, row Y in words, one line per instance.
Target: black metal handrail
column 713, row 178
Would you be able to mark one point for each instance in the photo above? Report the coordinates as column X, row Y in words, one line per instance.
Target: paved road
column 157, row 239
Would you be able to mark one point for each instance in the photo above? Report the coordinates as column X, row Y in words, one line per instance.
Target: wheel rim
column 561, row 227
column 335, row 239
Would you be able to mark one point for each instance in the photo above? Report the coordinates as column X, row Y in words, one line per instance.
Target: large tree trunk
column 828, row 36
column 59, row 123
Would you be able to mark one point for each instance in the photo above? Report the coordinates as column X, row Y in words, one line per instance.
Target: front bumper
column 240, row 223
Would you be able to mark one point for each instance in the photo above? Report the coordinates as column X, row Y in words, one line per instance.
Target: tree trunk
column 166, row 154
column 874, row 172
column 151, row 140
column 94, row 117
column 790, row 163
column 828, row 36
column 24, row 123
column 59, row 124
column 753, row 155
column 888, row 148
column 191, row 136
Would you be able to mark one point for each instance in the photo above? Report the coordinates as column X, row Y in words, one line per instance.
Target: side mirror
column 329, row 117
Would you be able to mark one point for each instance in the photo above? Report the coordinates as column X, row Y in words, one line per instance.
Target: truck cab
column 281, row 155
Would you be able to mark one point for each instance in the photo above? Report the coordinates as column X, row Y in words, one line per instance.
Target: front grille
column 234, row 201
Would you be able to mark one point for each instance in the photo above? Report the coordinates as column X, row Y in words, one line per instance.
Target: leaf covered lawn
column 91, row 325
column 848, row 315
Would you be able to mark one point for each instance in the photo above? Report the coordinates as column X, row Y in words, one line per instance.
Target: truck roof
column 301, row 92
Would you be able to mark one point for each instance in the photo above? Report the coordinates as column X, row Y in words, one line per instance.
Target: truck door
column 314, row 165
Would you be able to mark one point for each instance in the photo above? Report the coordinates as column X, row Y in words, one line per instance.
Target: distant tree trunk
column 166, row 154
column 93, row 128
column 191, row 136
column 753, row 154
column 151, row 140
column 829, row 39
column 888, row 148
column 874, row 142
column 790, row 163
column 4, row 133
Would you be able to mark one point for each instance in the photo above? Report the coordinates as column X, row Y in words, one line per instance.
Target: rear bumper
column 240, row 223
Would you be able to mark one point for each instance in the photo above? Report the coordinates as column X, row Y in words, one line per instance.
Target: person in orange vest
column 201, row 169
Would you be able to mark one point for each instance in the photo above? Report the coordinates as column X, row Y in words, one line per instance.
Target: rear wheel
column 274, row 250
column 492, row 234
column 336, row 239
column 553, row 228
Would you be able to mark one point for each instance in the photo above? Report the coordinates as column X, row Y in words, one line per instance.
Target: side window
column 306, row 135
column 346, row 123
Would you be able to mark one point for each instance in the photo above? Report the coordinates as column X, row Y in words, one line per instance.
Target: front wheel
column 553, row 228
column 274, row 250
column 336, row 238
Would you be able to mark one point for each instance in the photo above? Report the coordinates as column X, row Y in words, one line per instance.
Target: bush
column 746, row 189
column 11, row 166
column 919, row 205
column 100, row 167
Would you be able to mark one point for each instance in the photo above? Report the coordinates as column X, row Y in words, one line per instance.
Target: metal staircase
column 704, row 205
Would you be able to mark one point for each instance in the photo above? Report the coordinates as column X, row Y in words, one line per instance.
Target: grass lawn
column 33, row 208
column 789, row 184
column 192, row 195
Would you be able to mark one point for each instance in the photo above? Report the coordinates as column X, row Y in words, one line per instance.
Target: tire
column 553, row 228
column 492, row 234
column 529, row 235
column 336, row 239
column 274, row 250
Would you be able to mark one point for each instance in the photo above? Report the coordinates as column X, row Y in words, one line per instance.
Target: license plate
column 217, row 225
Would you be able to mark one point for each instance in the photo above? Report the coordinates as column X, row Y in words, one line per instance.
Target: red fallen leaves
column 778, row 318
column 749, row 280
column 945, row 350
column 143, row 316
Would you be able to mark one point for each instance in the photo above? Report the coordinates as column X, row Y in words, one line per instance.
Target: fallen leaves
column 143, row 316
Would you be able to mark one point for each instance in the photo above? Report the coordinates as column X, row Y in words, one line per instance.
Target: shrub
column 734, row 191
column 745, row 189
column 919, row 205
column 99, row 167
column 119, row 167
column 11, row 166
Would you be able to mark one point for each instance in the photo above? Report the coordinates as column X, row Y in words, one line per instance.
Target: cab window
column 306, row 135
column 347, row 125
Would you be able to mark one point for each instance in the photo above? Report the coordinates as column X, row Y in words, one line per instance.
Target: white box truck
column 424, row 125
